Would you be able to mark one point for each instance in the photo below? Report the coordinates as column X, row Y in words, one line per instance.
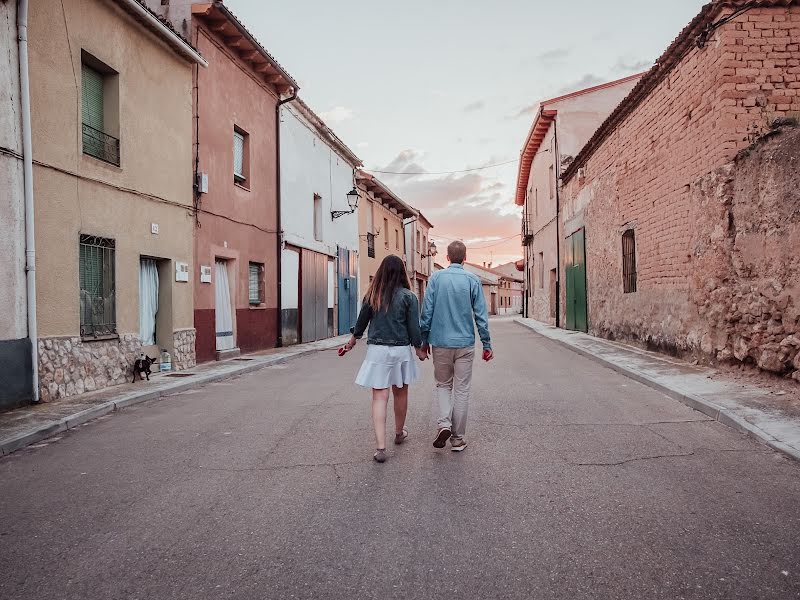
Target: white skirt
column 385, row 366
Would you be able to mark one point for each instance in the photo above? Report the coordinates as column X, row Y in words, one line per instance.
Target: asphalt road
column 577, row 483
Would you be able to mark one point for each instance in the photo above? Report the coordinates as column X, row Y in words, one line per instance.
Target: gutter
column 183, row 48
column 557, row 158
column 279, row 235
column 27, row 171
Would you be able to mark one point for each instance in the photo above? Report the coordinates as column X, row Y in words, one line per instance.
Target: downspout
column 27, row 171
column 279, row 235
column 558, row 218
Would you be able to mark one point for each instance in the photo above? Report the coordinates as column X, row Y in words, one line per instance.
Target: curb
column 21, row 440
column 708, row 408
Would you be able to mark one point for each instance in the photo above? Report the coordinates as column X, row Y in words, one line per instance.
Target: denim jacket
column 398, row 326
column 454, row 306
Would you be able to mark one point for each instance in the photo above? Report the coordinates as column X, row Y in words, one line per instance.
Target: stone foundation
column 70, row 366
column 184, row 343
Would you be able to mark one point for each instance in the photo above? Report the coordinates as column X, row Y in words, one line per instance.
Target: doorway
column 347, row 266
column 575, row 272
column 223, row 308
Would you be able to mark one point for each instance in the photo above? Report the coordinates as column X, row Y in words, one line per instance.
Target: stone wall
column 184, row 344
column 745, row 282
column 69, row 366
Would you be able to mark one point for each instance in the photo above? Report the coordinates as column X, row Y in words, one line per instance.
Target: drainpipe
column 279, row 235
column 27, row 171
column 558, row 218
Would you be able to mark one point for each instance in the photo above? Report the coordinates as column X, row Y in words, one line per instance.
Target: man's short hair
column 457, row 252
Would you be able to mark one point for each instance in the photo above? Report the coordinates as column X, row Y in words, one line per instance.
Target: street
column 577, row 483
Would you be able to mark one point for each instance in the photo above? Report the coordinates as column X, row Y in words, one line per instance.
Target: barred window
column 629, row 262
column 97, row 286
column 256, row 283
column 371, row 245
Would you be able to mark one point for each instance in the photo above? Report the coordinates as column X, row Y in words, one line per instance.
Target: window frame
column 105, row 250
column 629, row 273
column 242, row 179
column 260, row 284
column 317, row 218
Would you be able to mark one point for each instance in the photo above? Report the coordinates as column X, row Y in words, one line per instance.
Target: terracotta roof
column 671, row 57
column 326, row 132
column 237, row 37
column 378, row 189
column 541, row 124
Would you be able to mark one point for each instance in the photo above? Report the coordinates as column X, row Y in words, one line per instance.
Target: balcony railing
column 527, row 231
column 100, row 145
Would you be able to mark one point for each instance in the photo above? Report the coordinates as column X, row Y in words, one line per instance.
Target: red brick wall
column 711, row 105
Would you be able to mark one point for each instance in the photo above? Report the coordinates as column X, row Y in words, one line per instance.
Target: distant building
column 490, row 282
column 319, row 272
column 381, row 215
column 560, row 128
column 420, row 251
column 511, row 288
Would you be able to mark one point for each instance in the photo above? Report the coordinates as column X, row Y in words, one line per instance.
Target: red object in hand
column 487, row 355
column 343, row 350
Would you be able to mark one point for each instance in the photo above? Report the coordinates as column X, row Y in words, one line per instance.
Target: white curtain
column 224, row 318
column 148, row 300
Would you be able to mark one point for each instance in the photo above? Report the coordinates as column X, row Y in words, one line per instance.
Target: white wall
column 310, row 166
column 13, row 324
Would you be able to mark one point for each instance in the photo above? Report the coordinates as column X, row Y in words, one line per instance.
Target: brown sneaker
column 457, row 445
column 442, row 437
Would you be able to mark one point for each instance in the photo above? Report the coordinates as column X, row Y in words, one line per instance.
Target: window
column 629, row 262
column 541, row 269
column 371, row 245
column 386, row 233
column 419, row 247
column 241, row 155
column 256, row 284
column 397, row 239
column 425, row 245
column 97, row 295
column 552, row 181
column 99, row 110
column 536, row 203
column 370, row 217
column 318, row 217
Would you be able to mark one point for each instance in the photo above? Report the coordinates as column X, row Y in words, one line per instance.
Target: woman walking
column 391, row 310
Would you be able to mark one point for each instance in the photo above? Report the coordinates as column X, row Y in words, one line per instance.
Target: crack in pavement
column 659, row 456
column 280, row 467
column 554, row 425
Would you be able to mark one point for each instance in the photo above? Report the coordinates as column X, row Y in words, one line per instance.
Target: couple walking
column 453, row 302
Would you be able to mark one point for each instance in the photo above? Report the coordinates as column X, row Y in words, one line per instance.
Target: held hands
column 423, row 352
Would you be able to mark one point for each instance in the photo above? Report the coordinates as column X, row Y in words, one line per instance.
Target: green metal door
column 575, row 261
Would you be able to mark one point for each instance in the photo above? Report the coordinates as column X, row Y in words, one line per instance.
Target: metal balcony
column 100, row 145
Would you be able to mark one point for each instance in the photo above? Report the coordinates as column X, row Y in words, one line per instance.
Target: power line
column 496, row 243
column 508, row 162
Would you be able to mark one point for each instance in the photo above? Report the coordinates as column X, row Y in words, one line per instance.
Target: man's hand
column 488, row 354
column 423, row 351
column 351, row 343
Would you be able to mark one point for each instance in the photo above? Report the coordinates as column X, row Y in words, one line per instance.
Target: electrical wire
column 508, row 162
column 496, row 243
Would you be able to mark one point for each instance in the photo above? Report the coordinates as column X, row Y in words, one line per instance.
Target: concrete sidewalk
column 750, row 409
column 28, row 425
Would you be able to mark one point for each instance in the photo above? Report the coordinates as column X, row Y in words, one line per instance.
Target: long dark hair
column 390, row 277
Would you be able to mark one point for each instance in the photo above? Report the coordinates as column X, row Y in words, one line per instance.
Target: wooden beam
column 218, row 26
column 234, row 41
column 250, row 55
column 276, row 78
column 201, row 9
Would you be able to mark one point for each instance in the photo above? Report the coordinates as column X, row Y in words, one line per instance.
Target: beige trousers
column 452, row 369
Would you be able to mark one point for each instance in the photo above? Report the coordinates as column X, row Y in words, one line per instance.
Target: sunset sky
column 436, row 86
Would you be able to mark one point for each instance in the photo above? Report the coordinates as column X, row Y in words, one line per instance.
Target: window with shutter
column 238, row 156
column 92, row 98
column 97, row 286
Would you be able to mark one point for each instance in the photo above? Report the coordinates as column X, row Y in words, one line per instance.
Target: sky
column 436, row 86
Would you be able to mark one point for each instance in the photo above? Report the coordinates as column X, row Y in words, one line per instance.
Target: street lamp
column 431, row 250
column 352, row 201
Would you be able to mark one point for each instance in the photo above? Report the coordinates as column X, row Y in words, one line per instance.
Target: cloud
column 526, row 111
column 407, row 161
column 587, row 81
column 337, row 114
column 554, row 55
column 632, row 66
column 474, row 106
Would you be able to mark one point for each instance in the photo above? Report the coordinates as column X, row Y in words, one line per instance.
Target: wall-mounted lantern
column 431, row 250
column 352, row 201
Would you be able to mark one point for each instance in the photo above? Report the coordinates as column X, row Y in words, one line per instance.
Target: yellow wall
column 155, row 131
column 368, row 266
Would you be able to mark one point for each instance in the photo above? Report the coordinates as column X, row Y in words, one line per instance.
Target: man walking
column 454, row 304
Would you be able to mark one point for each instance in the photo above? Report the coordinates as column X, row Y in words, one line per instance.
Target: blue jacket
column 454, row 304
column 397, row 326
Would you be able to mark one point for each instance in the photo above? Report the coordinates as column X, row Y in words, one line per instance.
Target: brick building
column 660, row 244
